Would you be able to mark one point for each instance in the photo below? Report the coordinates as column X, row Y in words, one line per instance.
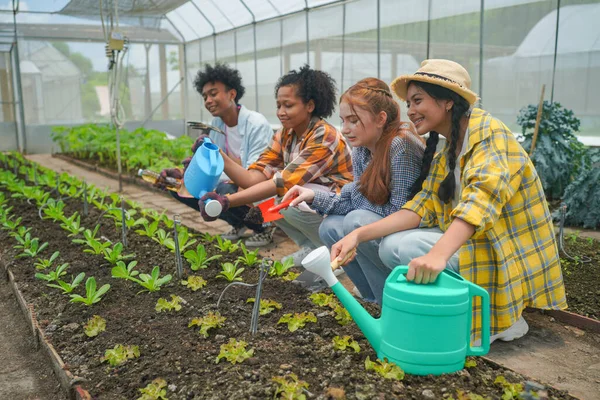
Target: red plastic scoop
column 270, row 211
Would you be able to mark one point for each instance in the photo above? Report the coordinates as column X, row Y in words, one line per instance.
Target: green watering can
column 424, row 329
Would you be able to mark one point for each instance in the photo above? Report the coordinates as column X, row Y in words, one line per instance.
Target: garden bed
column 170, row 350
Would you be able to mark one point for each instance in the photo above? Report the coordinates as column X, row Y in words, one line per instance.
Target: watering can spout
column 318, row 262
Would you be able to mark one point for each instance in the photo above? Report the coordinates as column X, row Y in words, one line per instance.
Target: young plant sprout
column 278, row 268
column 165, row 305
column 150, row 228
column 266, row 306
column 120, row 354
column 92, row 296
column 345, row 342
column 72, row 224
column 34, row 248
column 93, row 244
column 20, row 232
column 152, row 282
column 226, row 245
column 115, row 254
column 234, row 351
column 68, row 287
column 387, row 370
column 94, row 326
column 250, row 258
column 194, row 282
column 297, row 320
column 11, row 225
column 45, row 263
column 54, row 276
column 323, row 300
column 230, row 272
column 199, row 259
column 208, row 322
column 154, row 390
column 121, row 271
column 184, row 238
column 290, row 387
column 54, row 210
column 162, row 237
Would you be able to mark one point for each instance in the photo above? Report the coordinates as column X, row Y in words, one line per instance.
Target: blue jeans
column 366, row 271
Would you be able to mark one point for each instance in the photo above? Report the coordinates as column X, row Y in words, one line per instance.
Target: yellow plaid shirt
column 513, row 252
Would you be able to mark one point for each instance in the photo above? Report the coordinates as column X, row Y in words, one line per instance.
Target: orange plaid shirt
column 321, row 157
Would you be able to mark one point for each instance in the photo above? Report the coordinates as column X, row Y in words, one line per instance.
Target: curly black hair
column 220, row 73
column 314, row 85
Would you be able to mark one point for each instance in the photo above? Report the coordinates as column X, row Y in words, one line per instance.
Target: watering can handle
column 483, row 349
column 212, row 157
column 399, row 270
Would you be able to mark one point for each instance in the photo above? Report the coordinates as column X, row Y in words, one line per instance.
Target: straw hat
column 445, row 73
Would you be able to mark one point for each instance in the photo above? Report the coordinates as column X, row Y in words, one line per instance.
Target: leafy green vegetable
column 94, row 326
column 234, row 351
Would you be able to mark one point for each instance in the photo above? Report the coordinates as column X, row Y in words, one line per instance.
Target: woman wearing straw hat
column 480, row 208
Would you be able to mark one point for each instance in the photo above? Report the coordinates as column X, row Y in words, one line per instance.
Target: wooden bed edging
column 68, row 382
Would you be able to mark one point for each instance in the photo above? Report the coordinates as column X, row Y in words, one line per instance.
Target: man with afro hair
column 247, row 135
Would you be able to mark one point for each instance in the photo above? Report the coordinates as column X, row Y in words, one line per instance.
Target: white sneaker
column 356, row 292
column 298, row 256
column 234, row 233
column 515, row 331
column 261, row 239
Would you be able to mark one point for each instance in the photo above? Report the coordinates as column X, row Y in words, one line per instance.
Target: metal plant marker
column 123, row 226
column 15, row 167
column 85, row 200
column 263, row 272
column 178, row 261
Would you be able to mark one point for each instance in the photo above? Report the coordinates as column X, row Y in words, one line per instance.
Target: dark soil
column 581, row 273
column 178, row 354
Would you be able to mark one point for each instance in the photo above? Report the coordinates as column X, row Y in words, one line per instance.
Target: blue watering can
column 424, row 329
column 202, row 174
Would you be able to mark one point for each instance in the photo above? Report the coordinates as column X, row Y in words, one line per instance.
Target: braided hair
column 460, row 109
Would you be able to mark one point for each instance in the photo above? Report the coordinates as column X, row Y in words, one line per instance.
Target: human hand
column 174, row 173
column 302, row 193
column 212, row 196
column 344, row 251
column 425, row 269
column 199, row 142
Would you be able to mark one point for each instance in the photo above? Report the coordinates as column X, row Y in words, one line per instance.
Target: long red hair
column 373, row 95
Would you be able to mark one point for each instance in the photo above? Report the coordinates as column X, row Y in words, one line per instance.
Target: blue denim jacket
column 255, row 131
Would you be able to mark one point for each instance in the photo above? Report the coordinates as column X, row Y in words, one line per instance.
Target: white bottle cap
column 213, row 208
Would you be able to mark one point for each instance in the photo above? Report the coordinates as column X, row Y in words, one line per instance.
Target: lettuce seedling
column 290, row 387
column 94, row 326
column 154, row 390
column 470, row 362
column 45, row 263
column 11, row 225
column 183, row 237
column 230, row 272
column 121, row 271
column 194, row 282
column 234, row 351
column 278, row 268
column 162, row 237
column 34, row 248
column 290, row 276
column 511, row 390
column 250, row 258
column 115, row 254
column 89, row 239
column 54, row 210
column 53, row 276
column 152, row 282
column 73, row 224
column 92, row 296
column 387, row 370
column 68, row 287
column 208, row 322
column 24, row 241
column 226, row 245
column 323, row 300
column 199, row 259
column 164, row 305
column 20, row 232
column 150, row 228
column 119, row 354
column 297, row 320
column 344, row 342
column 266, row 306
column 342, row 315
column 207, row 237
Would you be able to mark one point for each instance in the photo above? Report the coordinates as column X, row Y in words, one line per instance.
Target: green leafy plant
column 54, row 210
column 93, row 244
column 68, row 287
column 120, row 354
column 199, row 259
column 290, row 387
column 234, row 351
column 24, row 242
column 92, row 296
column 208, row 322
column 45, row 263
column 21, row 231
column 150, row 228
column 290, row 276
column 194, row 282
column 342, row 316
column 250, row 258
column 34, row 248
column 387, row 370
column 297, row 320
column 121, row 271
column 345, row 342
column 470, row 362
column 11, row 225
column 54, row 276
column 72, row 224
column 266, row 306
column 226, row 245
column 207, row 237
column 323, row 300
column 462, row 395
column 558, row 154
column 154, row 390
column 94, row 326
column 165, row 305
column 230, row 272
column 153, row 282
column 278, row 268
column 116, row 254
column 162, row 237
column 183, row 237
column 511, row 390
column 582, row 196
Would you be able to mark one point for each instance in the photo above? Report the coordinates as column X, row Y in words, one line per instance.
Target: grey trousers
column 302, row 227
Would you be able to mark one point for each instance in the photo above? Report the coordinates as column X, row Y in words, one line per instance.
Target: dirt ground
column 25, row 374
